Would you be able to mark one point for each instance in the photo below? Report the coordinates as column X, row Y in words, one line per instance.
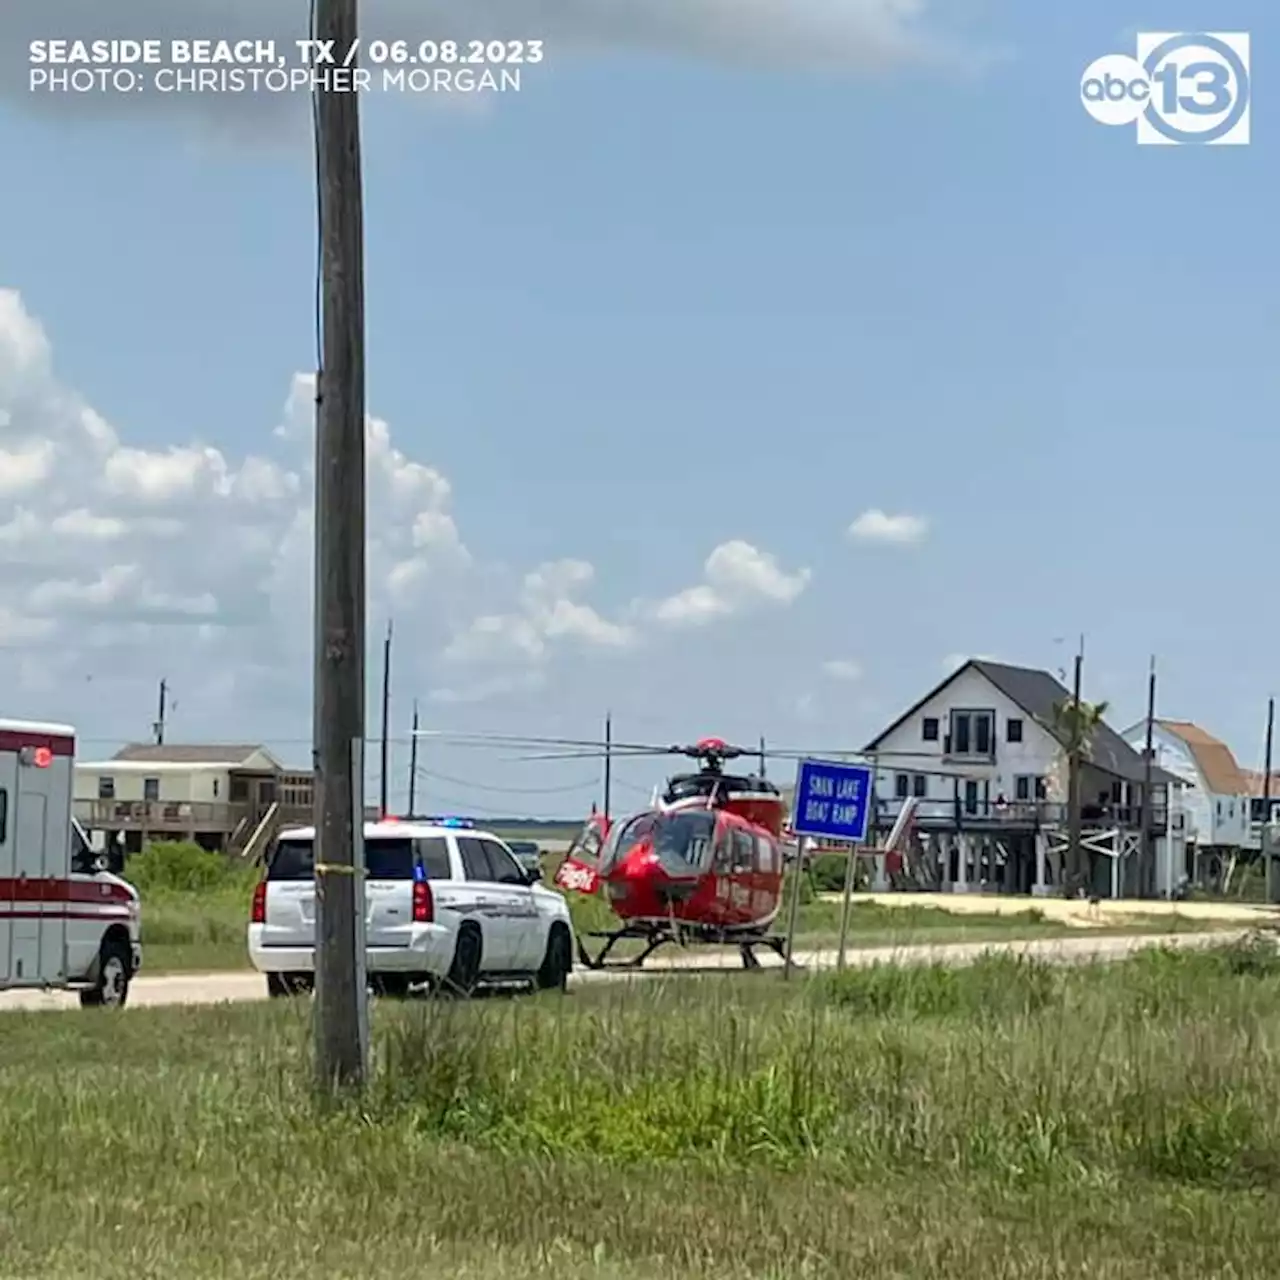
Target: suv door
column 515, row 898
column 481, row 903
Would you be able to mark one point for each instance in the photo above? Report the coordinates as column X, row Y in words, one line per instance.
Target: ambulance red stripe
column 15, row 740
column 113, row 913
column 80, row 892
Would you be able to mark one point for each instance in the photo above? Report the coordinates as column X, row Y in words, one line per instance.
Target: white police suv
column 445, row 904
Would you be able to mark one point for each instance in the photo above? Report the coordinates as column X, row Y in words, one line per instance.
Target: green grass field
column 195, row 908
column 1009, row 1121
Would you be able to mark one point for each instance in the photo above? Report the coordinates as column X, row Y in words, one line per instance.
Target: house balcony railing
column 1020, row 813
column 158, row 815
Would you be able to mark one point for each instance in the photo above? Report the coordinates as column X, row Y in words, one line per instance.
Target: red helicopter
column 704, row 863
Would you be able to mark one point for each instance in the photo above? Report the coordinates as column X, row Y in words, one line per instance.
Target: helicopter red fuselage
column 717, row 866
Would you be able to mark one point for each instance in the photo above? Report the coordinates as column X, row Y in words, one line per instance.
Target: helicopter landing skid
column 655, row 936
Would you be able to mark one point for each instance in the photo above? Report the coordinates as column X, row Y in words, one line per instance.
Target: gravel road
column 219, row 988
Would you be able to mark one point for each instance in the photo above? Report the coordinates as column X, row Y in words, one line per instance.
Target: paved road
column 219, row 988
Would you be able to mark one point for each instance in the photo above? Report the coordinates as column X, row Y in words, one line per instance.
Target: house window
column 1022, row 787
column 971, row 797
column 901, row 786
column 151, row 789
column 239, row 790
column 920, row 786
column 1042, row 787
column 106, row 788
column 929, row 729
column 971, row 733
column 1013, row 730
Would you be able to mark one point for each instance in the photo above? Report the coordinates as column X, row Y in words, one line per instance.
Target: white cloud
column 855, row 35
column 842, row 669
column 875, row 525
column 128, row 563
column 738, row 577
column 120, row 560
column 547, row 612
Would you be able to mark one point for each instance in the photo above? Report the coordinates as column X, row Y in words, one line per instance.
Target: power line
column 512, row 791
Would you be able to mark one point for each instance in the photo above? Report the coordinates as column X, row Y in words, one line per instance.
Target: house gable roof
column 1037, row 693
column 1217, row 765
column 238, row 754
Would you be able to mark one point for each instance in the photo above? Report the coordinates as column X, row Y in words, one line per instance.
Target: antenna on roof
column 158, row 727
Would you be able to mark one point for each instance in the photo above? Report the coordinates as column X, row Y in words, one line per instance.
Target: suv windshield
column 386, row 857
column 682, row 841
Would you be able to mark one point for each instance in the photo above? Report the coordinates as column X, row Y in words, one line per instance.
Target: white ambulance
column 67, row 920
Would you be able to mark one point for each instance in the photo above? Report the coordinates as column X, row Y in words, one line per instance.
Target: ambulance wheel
column 115, row 968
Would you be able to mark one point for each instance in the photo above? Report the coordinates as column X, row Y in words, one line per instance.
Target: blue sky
column 658, row 302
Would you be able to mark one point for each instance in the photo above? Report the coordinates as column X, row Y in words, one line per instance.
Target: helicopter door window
column 744, row 852
column 764, row 856
column 724, row 851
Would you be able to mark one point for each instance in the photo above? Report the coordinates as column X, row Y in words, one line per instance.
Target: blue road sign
column 833, row 801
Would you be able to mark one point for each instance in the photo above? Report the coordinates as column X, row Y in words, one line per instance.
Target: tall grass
column 1004, row 1120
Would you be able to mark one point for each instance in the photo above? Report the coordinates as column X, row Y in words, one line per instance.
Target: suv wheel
column 558, row 962
column 464, row 972
column 289, row 984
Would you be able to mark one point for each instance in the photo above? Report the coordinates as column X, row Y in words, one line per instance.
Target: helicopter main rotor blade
column 534, row 741
column 615, row 753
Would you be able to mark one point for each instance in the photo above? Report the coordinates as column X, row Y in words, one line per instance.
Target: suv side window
column 505, row 869
column 475, row 866
column 433, row 854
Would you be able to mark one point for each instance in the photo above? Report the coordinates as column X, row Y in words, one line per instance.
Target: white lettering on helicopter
column 579, row 878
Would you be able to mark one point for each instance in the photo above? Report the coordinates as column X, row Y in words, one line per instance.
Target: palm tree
column 1075, row 723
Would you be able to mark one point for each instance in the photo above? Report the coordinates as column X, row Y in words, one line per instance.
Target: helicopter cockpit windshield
column 683, row 841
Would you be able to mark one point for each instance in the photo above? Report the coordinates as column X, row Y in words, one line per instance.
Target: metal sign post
column 846, row 905
column 832, row 802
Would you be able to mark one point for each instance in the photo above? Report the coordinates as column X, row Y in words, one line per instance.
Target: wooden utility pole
column 386, row 722
column 1146, row 858
column 1268, row 862
column 1075, row 857
column 341, row 996
column 764, row 768
column 413, row 762
column 159, row 724
column 608, row 761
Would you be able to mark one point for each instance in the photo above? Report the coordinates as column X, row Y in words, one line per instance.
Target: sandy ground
column 1079, row 913
column 219, row 988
